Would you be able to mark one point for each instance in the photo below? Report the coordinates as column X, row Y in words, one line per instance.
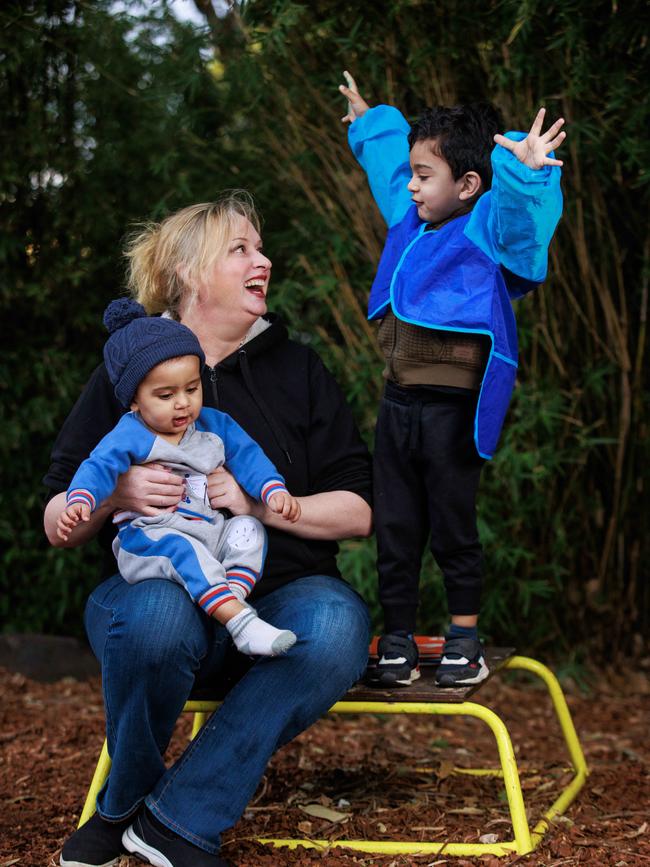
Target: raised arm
column 533, row 150
column 357, row 106
column 378, row 138
column 513, row 223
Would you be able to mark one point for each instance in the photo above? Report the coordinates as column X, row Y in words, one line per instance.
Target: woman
column 204, row 266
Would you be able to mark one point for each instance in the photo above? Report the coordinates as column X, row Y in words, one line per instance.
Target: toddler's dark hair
column 465, row 136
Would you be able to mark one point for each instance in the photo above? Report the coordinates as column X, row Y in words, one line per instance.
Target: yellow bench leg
column 522, row 842
column 569, row 794
column 197, row 724
column 103, row 767
column 98, row 780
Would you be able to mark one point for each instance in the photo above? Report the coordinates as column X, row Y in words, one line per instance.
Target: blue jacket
column 215, row 439
column 462, row 276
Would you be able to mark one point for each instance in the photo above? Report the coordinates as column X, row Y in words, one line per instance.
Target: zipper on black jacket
column 267, row 415
column 213, row 383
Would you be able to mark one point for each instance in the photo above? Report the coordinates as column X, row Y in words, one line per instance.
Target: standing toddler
column 469, row 226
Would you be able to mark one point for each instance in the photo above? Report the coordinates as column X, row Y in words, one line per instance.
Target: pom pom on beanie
column 120, row 312
column 138, row 342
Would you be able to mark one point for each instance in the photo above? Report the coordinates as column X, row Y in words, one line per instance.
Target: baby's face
column 170, row 397
column 432, row 185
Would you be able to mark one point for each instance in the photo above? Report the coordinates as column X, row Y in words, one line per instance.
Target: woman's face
column 237, row 282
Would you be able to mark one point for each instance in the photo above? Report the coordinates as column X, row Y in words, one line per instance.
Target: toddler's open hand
column 534, row 149
column 284, row 504
column 70, row 517
column 357, row 106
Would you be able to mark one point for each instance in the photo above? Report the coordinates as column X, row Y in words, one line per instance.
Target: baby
column 155, row 365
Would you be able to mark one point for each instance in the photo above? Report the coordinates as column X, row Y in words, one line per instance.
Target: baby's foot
column 255, row 637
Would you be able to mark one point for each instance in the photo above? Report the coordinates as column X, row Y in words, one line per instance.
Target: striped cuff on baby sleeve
column 273, row 486
column 80, row 495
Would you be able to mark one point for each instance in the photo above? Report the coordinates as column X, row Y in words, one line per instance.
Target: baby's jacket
column 214, row 440
column 463, row 276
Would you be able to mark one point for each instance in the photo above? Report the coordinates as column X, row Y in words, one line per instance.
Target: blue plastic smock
column 463, row 276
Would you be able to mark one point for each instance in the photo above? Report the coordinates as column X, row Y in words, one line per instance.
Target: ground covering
column 391, row 777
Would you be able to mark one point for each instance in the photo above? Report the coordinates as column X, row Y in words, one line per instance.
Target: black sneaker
column 149, row 840
column 462, row 664
column 97, row 843
column 398, row 661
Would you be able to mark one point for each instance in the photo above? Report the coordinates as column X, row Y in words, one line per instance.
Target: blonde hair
column 167, row 259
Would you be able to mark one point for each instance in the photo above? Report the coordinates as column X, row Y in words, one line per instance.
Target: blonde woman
column 205, row 267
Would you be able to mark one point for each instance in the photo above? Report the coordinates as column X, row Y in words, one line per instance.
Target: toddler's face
column 170, row 397
column 432, row 186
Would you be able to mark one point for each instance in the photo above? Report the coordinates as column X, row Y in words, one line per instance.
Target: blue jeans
column 154, row 643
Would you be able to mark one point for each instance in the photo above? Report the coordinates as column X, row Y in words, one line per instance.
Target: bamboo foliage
column 572, row 453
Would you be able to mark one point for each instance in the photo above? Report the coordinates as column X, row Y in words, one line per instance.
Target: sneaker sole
column 386, row 678
column 448, row 679
column 65, row 863
column 136, row 846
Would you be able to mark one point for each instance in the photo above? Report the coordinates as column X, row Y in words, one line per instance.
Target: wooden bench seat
column 425, row 689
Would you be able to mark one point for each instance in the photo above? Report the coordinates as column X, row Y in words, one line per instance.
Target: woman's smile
column 257, row 286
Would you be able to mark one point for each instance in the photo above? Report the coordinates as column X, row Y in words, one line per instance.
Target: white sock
column 255, row 637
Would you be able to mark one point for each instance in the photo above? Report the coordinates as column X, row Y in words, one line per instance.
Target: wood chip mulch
column 391, row 778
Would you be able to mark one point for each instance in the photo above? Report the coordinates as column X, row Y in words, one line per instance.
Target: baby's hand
column 357, row 106
column 70, row 517
column 534, row 149
column 284, row 504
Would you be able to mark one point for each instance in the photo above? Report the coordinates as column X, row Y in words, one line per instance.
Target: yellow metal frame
column 525, row 839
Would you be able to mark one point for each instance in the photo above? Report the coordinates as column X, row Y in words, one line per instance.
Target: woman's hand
column 149, row 489
column 225, row 493
column 357, row 106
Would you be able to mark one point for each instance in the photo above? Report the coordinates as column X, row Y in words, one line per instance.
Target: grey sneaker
column 398, row 661
column 462, row 664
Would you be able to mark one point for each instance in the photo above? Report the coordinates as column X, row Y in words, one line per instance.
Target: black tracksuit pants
column 426, row 475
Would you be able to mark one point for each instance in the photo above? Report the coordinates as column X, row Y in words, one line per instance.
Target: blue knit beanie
column 139, row 342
